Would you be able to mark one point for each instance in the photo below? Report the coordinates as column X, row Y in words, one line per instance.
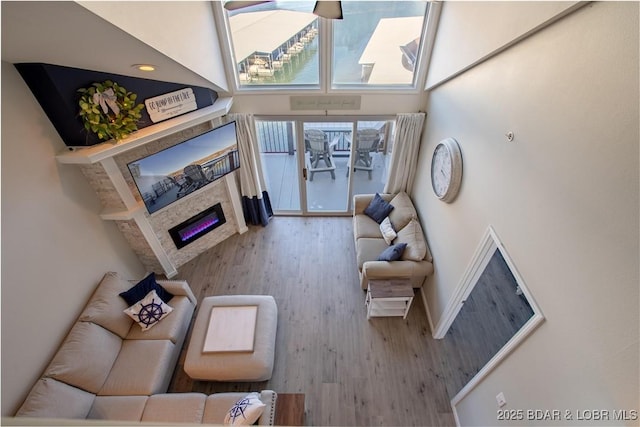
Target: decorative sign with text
column 169, row 105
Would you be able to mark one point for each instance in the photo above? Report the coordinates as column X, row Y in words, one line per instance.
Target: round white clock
column 446, row 170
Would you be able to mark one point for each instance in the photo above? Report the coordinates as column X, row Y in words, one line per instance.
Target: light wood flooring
column 385, row 371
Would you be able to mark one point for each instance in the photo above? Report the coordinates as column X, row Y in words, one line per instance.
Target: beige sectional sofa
column 107, row 368
column 415, row 263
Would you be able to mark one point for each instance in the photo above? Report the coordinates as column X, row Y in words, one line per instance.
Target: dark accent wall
column 56, row 89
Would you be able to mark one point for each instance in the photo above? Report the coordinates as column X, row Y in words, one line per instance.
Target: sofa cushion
column 378, row 209
column 392, row 253
column 245, row 411
column 403, row 211
column 172, row 327
column 54, row 399
column 411, row 234
column 118, row 408
column 388, row 233
column 175, row 408
column 149, row 311
column 143, row 367
column 105, row 306
column 142, row 288
column 363, row 226
column 86, row 357
column 368, row 249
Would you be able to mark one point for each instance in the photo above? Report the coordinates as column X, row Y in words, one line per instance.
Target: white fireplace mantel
column 96, row 153
column 147, row 233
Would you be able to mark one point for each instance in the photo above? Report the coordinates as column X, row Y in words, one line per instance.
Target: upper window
column 279, row 43
column 377, row 43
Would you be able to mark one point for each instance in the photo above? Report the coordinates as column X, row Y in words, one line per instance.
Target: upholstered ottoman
column 256, row 365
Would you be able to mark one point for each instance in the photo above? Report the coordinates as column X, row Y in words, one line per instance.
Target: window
column 377, row 43
column 274, row 45
column 279, row 44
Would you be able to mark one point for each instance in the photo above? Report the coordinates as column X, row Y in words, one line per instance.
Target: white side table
column 388, row 298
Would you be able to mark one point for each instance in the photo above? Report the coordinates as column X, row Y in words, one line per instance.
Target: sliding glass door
column 327, row 154
column 280, row 165
column 313, row 166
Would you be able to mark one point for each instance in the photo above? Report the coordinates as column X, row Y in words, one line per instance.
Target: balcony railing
column 278, row 137
column 221, row 166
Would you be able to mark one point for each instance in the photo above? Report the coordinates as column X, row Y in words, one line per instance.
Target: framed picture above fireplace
column 166, row 176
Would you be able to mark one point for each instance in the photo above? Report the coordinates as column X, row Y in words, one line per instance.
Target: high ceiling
column 65, row 33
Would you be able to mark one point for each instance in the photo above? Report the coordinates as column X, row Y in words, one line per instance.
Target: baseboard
column 426, row 309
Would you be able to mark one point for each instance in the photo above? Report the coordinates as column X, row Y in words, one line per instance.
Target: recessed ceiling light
column 144, row 67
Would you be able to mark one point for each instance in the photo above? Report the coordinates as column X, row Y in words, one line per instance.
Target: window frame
column 325, row 52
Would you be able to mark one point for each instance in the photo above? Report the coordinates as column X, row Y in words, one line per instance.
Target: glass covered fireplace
column 197, row 226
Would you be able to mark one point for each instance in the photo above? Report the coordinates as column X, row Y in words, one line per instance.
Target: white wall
column 370, row 104
column 494, row 25
column 55, row 248
column 563, row 197
column 183, row 30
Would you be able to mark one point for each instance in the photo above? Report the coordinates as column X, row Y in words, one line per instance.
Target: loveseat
column 108, row 368
column 415, row 262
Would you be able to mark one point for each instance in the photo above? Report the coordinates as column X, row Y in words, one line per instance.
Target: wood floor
column 385, row 371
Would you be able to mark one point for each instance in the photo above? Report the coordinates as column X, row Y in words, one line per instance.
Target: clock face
column 446, row 170
column 441, row 170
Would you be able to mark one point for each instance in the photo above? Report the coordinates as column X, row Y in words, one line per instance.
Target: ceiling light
column 328, row 9
column 233, row 5
column 144, row 67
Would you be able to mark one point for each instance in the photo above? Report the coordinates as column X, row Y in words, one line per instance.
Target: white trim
column 155, row 245
column 110, row 214
column 478, row 262
column 455, row 415
column 429, row 39
column 426, row 308
column 234, row 196
column 119, row 183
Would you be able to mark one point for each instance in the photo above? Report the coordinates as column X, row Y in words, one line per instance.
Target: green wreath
column 109, row 110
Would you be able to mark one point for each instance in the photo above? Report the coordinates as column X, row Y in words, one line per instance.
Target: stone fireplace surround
column 105, row 167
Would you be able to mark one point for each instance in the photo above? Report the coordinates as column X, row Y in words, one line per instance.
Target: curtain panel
column 404, row 156
column 255, row 199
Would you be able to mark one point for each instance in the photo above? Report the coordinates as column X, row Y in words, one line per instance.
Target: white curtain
column 404, row 155
column 255, row 199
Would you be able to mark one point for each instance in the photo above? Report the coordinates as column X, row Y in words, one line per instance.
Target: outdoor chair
column 319, row 149
column 194, row 179
column 367, row 141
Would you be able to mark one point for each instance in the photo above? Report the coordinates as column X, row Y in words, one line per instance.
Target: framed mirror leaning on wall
column 492, row 312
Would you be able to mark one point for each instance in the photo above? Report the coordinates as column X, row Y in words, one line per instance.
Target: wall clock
column 446, row 170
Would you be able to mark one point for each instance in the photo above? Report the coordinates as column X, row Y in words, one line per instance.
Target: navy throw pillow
column 378, row 209
column 392, row 253
column 143, row 287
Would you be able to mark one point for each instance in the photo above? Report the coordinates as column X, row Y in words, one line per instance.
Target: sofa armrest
column 415, row 270
column 361, row 201
column 179, row 287
column 268, row 397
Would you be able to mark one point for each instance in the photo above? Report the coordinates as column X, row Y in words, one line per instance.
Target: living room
column 563, row 197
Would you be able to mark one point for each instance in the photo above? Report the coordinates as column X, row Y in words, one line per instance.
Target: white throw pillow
column 245, row 411
column 149, row 311
column 388, row 233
